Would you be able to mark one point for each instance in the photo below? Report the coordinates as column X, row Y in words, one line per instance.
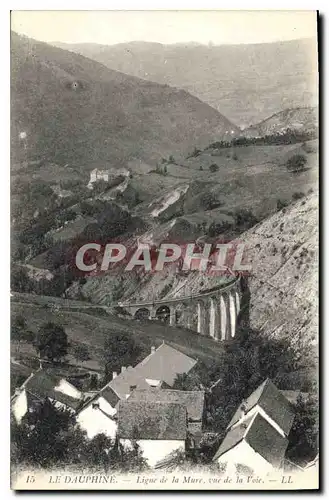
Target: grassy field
column 92, row 329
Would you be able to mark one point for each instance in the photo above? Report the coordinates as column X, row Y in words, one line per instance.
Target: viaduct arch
column 212, row 312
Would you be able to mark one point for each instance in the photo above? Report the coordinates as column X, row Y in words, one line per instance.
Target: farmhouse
column 43, row 385
column 158, row 370
column 257, row 434
column 271, row 404
column 193, row 401
column 158, row 428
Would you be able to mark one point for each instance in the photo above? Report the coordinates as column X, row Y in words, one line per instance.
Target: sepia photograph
column 164, row 250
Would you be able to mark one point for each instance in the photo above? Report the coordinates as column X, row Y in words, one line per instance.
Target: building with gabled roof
column 43, row 385
column 164, row 364
column 268, row 400
column 193, row 401
column 159, row 429
column 253, row 443
column 160, row 367
column 257, row 434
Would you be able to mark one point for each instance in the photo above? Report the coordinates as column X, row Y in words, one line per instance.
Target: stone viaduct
column 212, row 312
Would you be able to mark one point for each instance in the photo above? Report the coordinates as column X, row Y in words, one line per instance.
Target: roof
column 233, row 437
column 158, row 421
column 267, row 441
column 261, row 436
column 42, row 385
column 272, row 401
column 165, row 363
column 123, row 382
column 192, row 400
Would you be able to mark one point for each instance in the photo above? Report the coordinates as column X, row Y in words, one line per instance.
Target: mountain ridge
column 98, row 114
column 245, row 82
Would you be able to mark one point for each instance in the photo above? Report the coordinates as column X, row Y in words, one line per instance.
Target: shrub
column 280, row 204
column 298, row 196
column 296, row 163
column 51, row 341
column 244, row 218
column 213, row 168
column 81, row 352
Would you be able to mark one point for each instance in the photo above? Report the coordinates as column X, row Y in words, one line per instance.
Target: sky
column 217, row 27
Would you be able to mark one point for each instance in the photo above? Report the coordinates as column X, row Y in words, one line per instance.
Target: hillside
column 284, row 280
column 297, row 119
column 246, row 83
column 68, row 108
column 92, row 326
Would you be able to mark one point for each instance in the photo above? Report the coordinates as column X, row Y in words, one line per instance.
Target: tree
column 51, row 341
column 81, row 352
column 119, row 350
column 213, row 168
column 49, row 437
column 303, row 437
column 20, row 331
column 244, row 218
column 280, row 204
column 100, row 186
column 296, row 163
column 298, row 195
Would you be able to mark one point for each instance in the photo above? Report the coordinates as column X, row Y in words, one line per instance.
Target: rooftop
column 272, row 401
column 165, row 364
column 260, row 435
column 192, row 400
column 43, row 385
column 152, row 421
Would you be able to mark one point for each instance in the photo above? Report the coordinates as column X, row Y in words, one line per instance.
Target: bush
column 280, row 204
column 303, row 437
column 81, row 352
column 298, row 196
column 51, row 341
column 244, row 218
column 213, row 168
column 296, row 163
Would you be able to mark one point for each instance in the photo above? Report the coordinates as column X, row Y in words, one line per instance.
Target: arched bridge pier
column 212, row 313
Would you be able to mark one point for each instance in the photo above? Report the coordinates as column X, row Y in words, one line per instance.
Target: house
column 43, row 385
column 97, row 175
column 257, row 435
column 98, row 415
column 109, row 175
column 159, row 429
column 193, row 401
column 164, row 364
column 157, row 371
column 253, row 443
column 267, row 400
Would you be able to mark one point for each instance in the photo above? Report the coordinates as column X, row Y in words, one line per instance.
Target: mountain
column 68, row 108
column 247, row 83
column 297, row 119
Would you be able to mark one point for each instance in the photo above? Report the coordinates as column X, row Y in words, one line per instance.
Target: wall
column 66, row 388
column 19, row 406
column 156, row 450
column 94, row 421
column 243, row 454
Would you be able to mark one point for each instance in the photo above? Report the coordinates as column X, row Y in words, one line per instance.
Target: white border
column 5, row 7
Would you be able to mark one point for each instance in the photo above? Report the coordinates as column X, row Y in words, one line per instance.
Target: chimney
column 243, row 410
column 123, row 369
column 132, row 388
column 152, row 349
column 114, row 375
